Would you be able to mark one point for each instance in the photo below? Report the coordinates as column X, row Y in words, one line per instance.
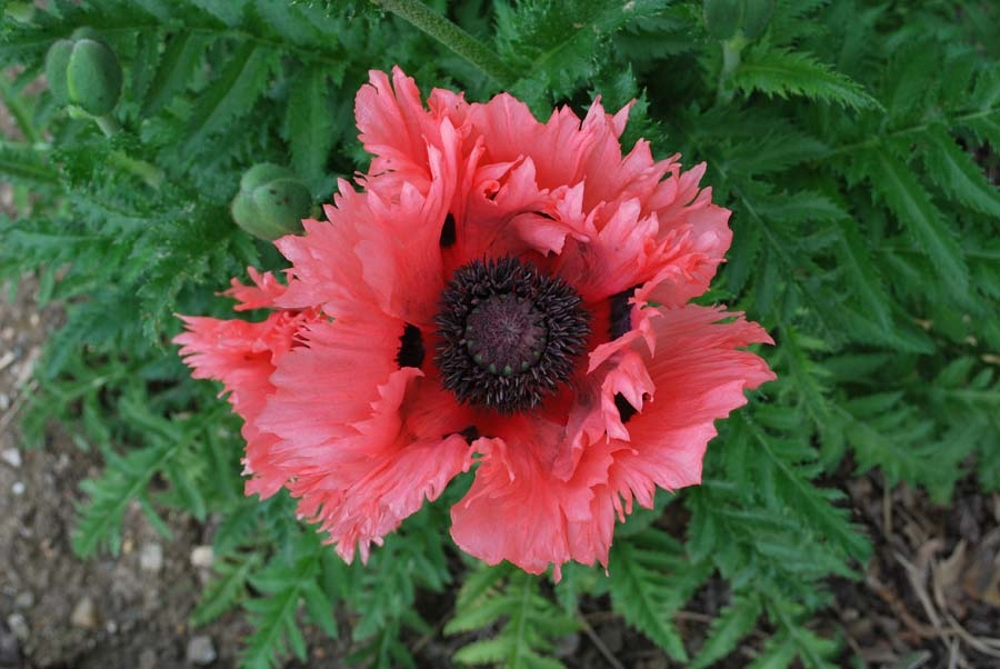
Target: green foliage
column 785, row 73
column 855, row 142
column 288, row 579
column 521, row 621
column 651, row 580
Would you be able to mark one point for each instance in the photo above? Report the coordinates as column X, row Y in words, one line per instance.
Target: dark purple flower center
column 509, row 334
column 505, row 334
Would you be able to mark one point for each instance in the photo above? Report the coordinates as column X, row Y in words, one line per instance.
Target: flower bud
column 722, row 17
column 85, row 72
column 756, row 16
column 726, row 18
column 272, row 202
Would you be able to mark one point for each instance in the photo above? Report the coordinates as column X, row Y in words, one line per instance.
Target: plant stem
column 148, row 172
column 731, row 49
column 108, row 125
column 452, row 36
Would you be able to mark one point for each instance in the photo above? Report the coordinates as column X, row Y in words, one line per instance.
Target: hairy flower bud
column 84, row 71
column 272, row 202
column 725, row 18
column 756, row 16
column 722, row 17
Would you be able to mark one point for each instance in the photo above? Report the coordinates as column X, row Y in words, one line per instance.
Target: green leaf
column 986, row 129
column 801, row 207
column 553, row 45
column 225, row 590
column 320, row 608
column 650, row 580
column 125, row 478
column 959, row 176
column 310, row 123
column 781, row 460
column 774, row 152
column 781, row 72
column 26, row 165
column 916, row 212
column 232, row 95
column 230, row 12
column 286, row 580
column 182, row 55
column 527, row 621
column 864, row 280
column 735, row 622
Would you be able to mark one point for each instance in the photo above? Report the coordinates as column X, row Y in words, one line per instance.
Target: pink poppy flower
column 504, row 295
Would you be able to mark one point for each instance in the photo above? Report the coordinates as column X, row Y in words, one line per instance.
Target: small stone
column 10, row 651
column 12, row 457
column 151, row 557
column 147, row 659
column 18, row 626
column 202, row 557
column 24, row 600
column 84, row 614
column 201, row 650
column 18, row 488
column 567, row 645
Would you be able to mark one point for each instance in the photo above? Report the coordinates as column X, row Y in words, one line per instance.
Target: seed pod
column 56, row 62
column 722, row 17
column 725, row 18
column 756, row 16
column 84, row 71
column 272, row 202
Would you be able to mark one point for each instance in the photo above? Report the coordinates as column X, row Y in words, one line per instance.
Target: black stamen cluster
column 621, row 322
column 621, row 312
column 509, row 334
column 411, row 348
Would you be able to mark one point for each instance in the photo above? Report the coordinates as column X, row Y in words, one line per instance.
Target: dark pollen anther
column 411, row 347
column 448, row 232
column 470, row 433
column 509, row 334
column 625, row 408
column 621, row 313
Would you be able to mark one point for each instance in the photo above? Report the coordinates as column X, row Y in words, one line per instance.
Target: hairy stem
column 108, row 124
column 452, row 36
column 148, row 172
column 731, row 49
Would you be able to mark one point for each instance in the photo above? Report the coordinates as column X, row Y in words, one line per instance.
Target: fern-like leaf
column 960, row 177
column 509, row 600
column 310, row 125
column 225, row 590
column 183, row 53
column 126, row 478
column 916, row 212
column 735, row 622
column 232, row 95
column 651, row 578
column 289, row 579
column 785, row 73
